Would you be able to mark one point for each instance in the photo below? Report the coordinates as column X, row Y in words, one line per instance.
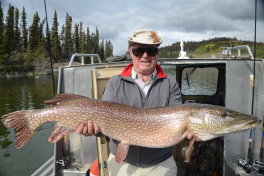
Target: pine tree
column 68, row 47
column 28, row 55
column 82, row 39
column 88, row 41
column 108, row 49
column 55, row 42
column 24, row 30
column 76, row 39
column 34, row 33
column 41, row 50
column 101, row 50
column 9, row 31
column 62, row 35
column 92, row 39
column 1, row 34
column 96, row 41
column 83, row 43
column 17, row 44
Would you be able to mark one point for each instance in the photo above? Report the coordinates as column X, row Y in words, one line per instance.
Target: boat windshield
column 199, row 80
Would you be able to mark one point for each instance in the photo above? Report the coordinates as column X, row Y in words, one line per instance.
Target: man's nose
column 145, row 54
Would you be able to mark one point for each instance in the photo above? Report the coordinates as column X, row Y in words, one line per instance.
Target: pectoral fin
column 59, row 132
column 189, row 152
column 121, row 151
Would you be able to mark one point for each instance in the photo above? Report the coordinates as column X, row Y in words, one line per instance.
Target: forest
column 26, row 47
column 209, row 46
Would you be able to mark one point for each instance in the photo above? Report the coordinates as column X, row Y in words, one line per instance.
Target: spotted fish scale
column 147, row 127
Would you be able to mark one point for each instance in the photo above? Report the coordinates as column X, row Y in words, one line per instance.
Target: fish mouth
column 253, row 123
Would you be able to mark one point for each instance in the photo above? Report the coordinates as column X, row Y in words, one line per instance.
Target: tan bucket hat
column 147, row 37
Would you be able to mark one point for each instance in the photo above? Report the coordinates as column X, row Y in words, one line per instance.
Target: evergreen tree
column 55, row 42
column 9, row 31
column 108, row 49
column 83, row 43
column 82, row 39
column 88, row 41
column 101, row 50
column 17, row 44
column 68, row 48
column 41, row 40
column 28, row 55
column 24, row 39
column 96, row 41
column 62, row 34
column 1, row 34
column 76, row 39
column 34, row 33
column 92, row 39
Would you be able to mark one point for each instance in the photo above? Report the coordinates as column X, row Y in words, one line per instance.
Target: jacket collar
column 127, row 71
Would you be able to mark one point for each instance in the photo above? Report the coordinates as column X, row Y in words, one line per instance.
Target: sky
column 116, row 20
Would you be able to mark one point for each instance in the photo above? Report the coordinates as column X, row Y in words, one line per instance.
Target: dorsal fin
column 62, row 97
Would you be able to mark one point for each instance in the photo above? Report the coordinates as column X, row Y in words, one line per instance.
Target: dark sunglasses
column 151, row 51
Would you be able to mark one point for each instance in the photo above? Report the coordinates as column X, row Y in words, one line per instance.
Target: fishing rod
column 62, row 162
column 249, row 156
column 254, row 55
column 49, row 49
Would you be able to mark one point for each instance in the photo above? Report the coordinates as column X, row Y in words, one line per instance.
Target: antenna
column 181, row 16
column 182, row 54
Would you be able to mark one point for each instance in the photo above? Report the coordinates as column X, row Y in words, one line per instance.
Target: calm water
column 21, row 93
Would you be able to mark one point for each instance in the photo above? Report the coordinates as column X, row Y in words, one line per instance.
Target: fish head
column 210, row 121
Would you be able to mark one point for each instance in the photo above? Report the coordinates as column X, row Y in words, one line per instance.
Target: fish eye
column 224, row 114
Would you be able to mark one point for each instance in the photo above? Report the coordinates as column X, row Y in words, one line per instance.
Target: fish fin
column 59, row 132
column 189, row 152
column 19, row 122
column 62, row 97
column 121, row 151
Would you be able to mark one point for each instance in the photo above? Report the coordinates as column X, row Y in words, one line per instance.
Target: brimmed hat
column 147, row 37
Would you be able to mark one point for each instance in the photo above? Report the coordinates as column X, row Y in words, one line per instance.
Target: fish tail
column 18, row 121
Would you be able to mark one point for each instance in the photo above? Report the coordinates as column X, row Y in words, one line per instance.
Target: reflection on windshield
column 199, row 81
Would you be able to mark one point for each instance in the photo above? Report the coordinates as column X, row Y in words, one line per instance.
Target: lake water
column 21, row 93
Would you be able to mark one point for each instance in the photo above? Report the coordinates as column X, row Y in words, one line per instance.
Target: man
column 141, row 84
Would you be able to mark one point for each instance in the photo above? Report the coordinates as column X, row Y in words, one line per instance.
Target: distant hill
column 207, row 48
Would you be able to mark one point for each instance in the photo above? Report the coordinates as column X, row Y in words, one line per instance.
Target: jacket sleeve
column 175, row 93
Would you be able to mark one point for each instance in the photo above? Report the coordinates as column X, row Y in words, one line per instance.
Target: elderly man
column 141, row 84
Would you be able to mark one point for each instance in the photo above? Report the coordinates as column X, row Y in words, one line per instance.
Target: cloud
column 116, row 20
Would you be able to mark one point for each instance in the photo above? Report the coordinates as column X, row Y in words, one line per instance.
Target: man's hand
column 88, row 129
column 190, row 136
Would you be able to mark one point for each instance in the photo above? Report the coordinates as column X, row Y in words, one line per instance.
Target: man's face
column 144, row 64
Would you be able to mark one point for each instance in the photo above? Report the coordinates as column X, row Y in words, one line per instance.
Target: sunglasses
column 151, row 51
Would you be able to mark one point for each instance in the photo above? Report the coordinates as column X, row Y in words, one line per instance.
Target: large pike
column 147, row 127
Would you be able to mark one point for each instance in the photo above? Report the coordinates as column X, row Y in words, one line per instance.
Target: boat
column 233, row 80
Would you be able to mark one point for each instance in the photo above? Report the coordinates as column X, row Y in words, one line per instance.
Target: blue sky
column 117, row 19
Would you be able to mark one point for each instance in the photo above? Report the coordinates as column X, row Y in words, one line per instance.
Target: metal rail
column 85, row 55
column 227, row 50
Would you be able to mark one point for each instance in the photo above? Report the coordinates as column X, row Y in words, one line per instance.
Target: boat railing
column 227, row 51
column 82, row 58
column 46, row 169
